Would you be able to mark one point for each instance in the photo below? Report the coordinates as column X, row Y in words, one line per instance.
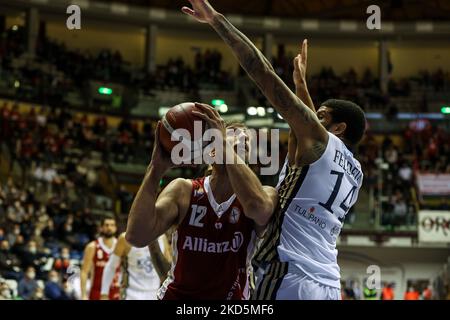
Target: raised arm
column 258, row 201
column 299, row 76
column 300, row 118
column 301, row 90
column 151, row 215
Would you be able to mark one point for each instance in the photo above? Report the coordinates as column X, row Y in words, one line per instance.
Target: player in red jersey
column 217, row 217
column 96, row 255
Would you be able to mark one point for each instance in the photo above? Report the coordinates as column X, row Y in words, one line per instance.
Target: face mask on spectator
column 33, row 249
column 54, row 279
column 31, row 274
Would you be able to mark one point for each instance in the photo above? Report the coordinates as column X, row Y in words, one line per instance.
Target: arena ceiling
column 395, row 10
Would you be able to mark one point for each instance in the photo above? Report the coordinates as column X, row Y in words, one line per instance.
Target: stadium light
column 223, row 108
column 261, row 111
column 105, row 90
column 217, row 102
column 252, row 111
column 445, row 110
column 270, row 110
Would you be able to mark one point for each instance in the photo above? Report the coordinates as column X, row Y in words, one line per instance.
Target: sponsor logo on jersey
column 310, row 216
column 234, row 215
column 203, row 245
column 218, row 225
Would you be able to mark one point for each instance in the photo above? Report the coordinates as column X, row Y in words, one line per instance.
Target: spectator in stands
column 388, row 292
column 9, row 262
column 19, row 245
column 356, row 289
column 411, row 294
column 28, row 286
column 427, row 293
column 370, row 293
column 33, row 257
column 14, row 234
column 406, row 174
column 400, row 209
column 53, row 288
column 63, row 261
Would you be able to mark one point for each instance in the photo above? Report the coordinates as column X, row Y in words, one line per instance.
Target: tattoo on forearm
column 260, row 69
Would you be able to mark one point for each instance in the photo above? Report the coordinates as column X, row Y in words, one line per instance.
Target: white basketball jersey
column 139, row 275
column 315, row 211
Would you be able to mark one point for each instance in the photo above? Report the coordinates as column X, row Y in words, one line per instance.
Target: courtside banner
column 433, row 184
column 434, row 226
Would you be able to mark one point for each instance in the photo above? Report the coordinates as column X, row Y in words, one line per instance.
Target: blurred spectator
column 31, row 256
column 63, row 261
column 411, row 294
column 28, row 286
column 53, row 288
column 9, row 263
column 388, row 292
column 370, row 293
column 427, row 293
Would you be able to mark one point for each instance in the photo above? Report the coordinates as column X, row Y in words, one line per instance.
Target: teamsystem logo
column 248, row 146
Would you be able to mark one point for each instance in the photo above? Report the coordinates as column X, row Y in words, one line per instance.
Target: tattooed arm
column 300, row 118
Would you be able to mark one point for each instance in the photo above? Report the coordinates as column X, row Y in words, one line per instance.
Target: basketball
column 180, row 117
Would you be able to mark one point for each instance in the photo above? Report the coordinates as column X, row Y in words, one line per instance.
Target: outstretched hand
column 202, row 11
column 300, row 63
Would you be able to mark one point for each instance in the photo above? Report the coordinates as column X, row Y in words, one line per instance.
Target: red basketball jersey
column 212, row 248
column 101, row 257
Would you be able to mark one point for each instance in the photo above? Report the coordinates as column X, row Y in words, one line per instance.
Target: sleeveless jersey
column 138, row 274
column 212, row 248
column 313, row 202
column 101, row 256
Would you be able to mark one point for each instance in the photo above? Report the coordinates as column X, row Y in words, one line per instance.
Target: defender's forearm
column 262, row 73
